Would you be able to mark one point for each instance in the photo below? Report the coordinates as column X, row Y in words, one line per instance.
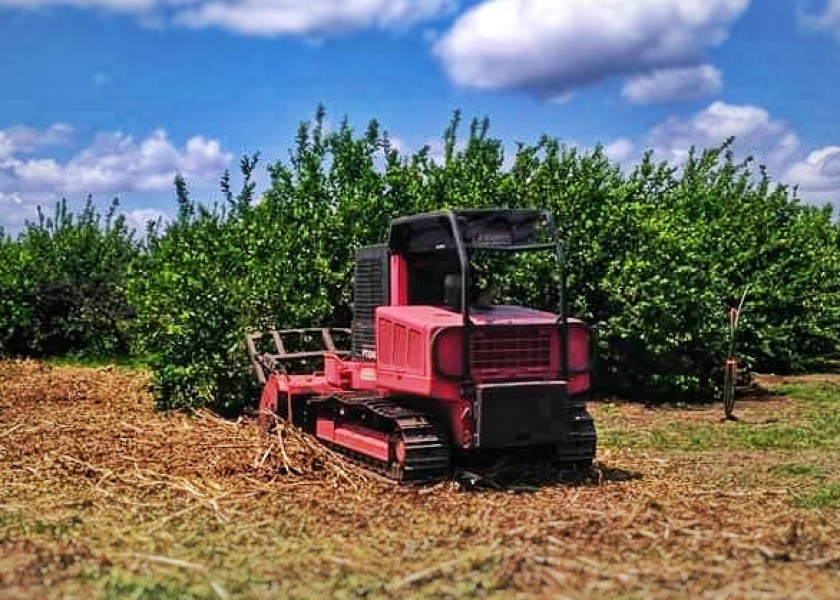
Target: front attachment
column 294, row 350
column 535, row 414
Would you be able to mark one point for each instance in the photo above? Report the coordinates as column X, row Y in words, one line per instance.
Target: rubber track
column 427, row 448
column 579, row 450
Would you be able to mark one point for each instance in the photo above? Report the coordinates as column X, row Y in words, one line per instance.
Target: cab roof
column 497, row 229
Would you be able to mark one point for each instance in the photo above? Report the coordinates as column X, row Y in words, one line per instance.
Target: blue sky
column 112, row 97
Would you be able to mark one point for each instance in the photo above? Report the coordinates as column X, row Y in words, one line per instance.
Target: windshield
column 522, row 278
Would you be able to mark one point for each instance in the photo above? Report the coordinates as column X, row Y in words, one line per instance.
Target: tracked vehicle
column 432, row 367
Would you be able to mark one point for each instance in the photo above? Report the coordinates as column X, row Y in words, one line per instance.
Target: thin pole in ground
column 730, row 368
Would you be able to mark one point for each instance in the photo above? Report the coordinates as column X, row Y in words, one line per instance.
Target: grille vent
column 524, row 348
column 370, row 290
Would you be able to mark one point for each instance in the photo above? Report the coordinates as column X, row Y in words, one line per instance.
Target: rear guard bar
column 278, row 360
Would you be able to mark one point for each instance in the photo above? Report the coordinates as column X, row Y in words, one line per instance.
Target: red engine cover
column 419, row 349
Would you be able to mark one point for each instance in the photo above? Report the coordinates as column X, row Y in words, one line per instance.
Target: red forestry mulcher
column 432, row 367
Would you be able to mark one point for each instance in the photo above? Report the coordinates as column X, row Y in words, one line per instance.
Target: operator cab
column 437, row 262
column 450, row 261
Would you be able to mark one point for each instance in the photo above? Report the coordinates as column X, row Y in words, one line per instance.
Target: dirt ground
column 100, row 496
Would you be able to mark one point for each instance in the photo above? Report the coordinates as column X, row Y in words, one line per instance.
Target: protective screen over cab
column 490, row 229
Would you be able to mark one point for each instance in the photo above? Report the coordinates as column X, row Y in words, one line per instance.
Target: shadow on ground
column 528, row 473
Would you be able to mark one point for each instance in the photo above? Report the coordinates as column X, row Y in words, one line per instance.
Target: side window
column 427, row 277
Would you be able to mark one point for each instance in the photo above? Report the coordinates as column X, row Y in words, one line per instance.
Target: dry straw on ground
column 101, row 495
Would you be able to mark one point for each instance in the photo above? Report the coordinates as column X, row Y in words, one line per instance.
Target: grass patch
column 59, row 530
column 813, row 392
column 692, row 437
column 809, row 436
column 815, row 427
column 797, row 470
column 825, row 497
column 118, row 584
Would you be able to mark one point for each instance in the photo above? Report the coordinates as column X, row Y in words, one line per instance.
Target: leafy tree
column 655, row 256
column 62, row 284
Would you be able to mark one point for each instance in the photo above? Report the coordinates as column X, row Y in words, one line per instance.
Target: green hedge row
column 62, row 284
column 655, row 256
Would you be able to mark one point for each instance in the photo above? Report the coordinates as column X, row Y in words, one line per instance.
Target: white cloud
column 15, row 210
column 10, row 197
column 818, row 174
column 139, row 218
column 771, row 142
column 110, row 5
column 6, row 146
column 113, row 164
column 117, row 162
column 619, row 150
column 828, row 20
column 24, row 139
column 397, row 143
column 295, row 17
column 550, row 47
column 266, row 17
column 670, row 85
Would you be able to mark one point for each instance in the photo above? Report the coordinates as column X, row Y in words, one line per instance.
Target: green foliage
column 61, row 284
column 798, row 470
column 814, row 425
column 825, row 497
column 189, row 289
column 653, row 256
column 117, row 583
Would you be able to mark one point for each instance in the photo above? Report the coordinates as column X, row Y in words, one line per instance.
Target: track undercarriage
column 382, row 435
column 398, row 442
